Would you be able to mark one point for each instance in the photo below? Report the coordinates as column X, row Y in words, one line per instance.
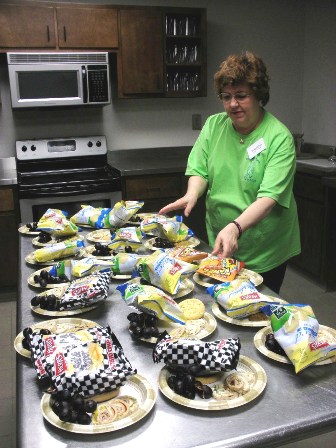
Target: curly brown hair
column 241, row 68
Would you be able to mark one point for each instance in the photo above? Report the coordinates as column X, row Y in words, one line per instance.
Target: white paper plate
column 245, row 365
column 32, row 282
column 244, row 274
column 191, row 242
column 137, row 386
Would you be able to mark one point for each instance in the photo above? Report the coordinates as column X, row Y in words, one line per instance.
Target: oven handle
column 41, row 194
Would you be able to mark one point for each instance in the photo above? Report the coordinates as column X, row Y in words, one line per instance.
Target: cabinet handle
column 48, row 33
column 64, row 34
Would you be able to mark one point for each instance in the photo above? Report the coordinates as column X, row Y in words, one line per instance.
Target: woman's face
column 244, row 111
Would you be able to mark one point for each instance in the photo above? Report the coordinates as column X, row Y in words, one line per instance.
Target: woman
column 245, row 159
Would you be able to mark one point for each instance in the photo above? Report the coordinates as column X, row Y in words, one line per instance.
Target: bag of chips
column 90, row 216
column 239, row 299
column 55, row 222
column 296, row 329
column 164, row 271
column 58, row 250
column 151, row 300
column 219, row 355
column 175, row 230
column 222, row 269
column 120, row 214
column 127, row 237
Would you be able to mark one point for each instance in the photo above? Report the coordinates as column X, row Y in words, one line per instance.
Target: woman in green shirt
column 244, row 159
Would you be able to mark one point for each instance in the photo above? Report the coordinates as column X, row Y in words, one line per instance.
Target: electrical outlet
column 196, row 122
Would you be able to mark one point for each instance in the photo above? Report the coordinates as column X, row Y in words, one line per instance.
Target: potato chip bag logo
column 79, row 290
column 60, row 364
column 250, row 296
column 109, row 350
column 175, row 268
column 49, row 346
column 278, row 311
column 317, row 345
column 40, row 367
column 221, row 344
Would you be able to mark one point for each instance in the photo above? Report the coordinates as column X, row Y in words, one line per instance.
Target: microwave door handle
column 85, row 87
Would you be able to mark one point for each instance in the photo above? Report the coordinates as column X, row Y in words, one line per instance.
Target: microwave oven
column 58, row 79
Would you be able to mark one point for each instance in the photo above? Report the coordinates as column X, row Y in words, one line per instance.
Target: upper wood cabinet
column 87, row 27
column 141, row 59
column 27, row 27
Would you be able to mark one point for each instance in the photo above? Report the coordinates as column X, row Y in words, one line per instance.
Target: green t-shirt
column 235, row 181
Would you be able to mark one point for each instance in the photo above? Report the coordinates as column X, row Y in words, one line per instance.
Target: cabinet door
column 27, row 27
column 141, row 41
column 9, row 250
column 87, row 27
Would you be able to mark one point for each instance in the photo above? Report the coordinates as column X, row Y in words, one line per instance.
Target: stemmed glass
column 332, row 158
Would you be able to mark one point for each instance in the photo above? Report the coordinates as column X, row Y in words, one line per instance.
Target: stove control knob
column 24, row 148
column 90, row 144
column 98, row 144
column 33, row 147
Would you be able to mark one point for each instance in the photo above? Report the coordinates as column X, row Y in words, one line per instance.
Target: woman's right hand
column 186, row 203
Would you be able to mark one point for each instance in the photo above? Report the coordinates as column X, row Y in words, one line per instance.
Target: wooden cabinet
column 159, row 190
column 163, row 52
column 87, row 27
column 141, row 59
column 27, row 27
column 315, row 211
column 8, row 237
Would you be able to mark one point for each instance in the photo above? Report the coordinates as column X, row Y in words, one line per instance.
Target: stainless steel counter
column 292, row 407
column 8, row 174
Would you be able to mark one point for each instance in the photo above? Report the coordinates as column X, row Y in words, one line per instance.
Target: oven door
column 32, row 209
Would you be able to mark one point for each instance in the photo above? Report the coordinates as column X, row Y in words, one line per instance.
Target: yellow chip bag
column 55, row 222
column 296, row 329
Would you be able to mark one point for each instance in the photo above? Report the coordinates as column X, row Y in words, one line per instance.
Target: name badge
column 256, row 148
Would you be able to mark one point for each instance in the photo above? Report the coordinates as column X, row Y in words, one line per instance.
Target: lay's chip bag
column 296, row 329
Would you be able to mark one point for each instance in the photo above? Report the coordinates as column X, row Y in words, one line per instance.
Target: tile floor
column 295, row 285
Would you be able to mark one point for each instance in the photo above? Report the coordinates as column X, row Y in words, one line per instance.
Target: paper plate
column 191, row 242
column 120, row 276
column 53, row 240
column 99, row 236
column 61, row 325
column 25, row 231
column 210, row 327
column 187, row 286
column 137, row 386
column 247, row 366
column 39, row 310
column 30, row 259
column 256, row 320
column 32, row 282
column 260, row 339
column 244, row 274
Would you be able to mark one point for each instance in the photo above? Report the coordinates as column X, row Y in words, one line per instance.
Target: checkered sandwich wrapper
column 239, row 299
column 222, row 269
column 120, row 214
column 127, row 236
column 218, row 355
column 296, row 329
column 164, row 271
column 55, row 222
column 89, row 215
column 85, row 291
column 176, row 231
column 89, row 368
column 151, row 300
column 58, row 250
column 152, row 224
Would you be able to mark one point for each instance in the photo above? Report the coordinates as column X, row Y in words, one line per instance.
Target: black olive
column 25, row 344
column 56, row 407
column 179, row 386
column 78, row 403
column 43, row 282
column 138, row 331
column 128, row 249
column 189, row 381
column 151, row 320
column 45, row 331
column 204, row 392
column 154, row 332
column 84, row 419
column 98, row 246
column 132, row 326
column 37, row 278
column 171, row 381
column 44, row 274
column 51, row 302
column 90, row 406
column 194, row 369
column 44, row 303
column 64, row 395
column 74, row 416
column 190, row 394
column 27, row 331
column 147, row 332
column 35, row 301
column 65, row 414
column 133, row 317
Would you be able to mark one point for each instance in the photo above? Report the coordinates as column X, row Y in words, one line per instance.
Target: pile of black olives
column 162, row 243
column 32, row 226
column 143, row 325
column 27, row 332
column 72, row 409
column 135, row 218
column 46, row 302
column 44, row 278
column 273, row 345
column 183, row 382
column 44, row 237
column 102, row 250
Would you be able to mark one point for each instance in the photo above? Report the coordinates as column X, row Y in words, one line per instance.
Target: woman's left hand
column 226, row 242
